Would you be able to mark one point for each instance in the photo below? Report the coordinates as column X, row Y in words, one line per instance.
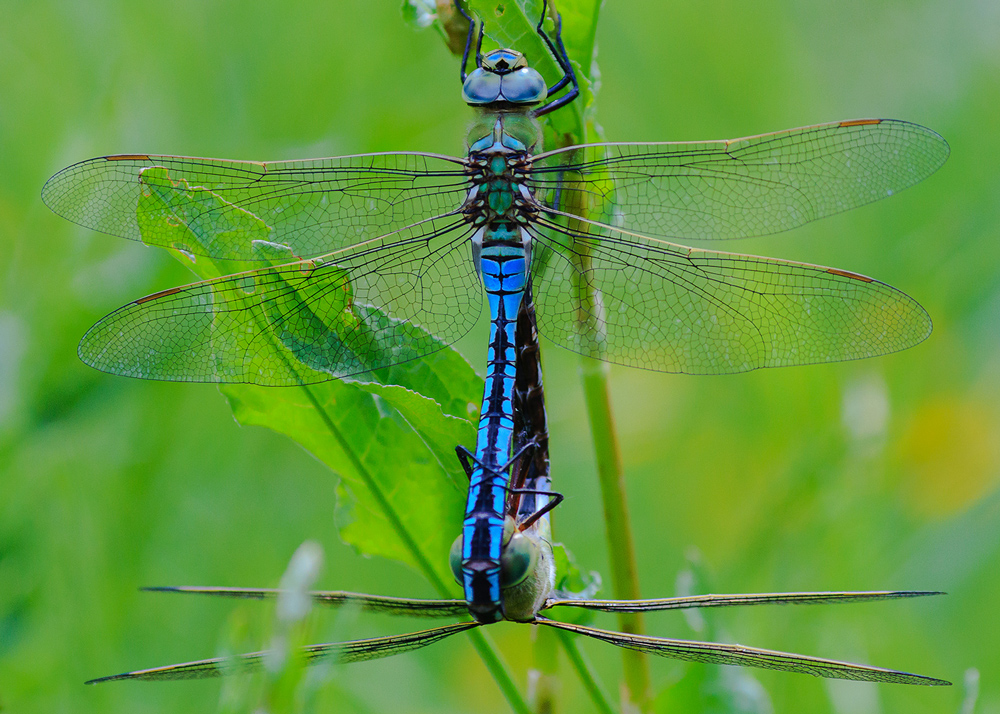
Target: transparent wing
column 370, row 306
column 743, row 187
column 683, row 603
column 209, row 206
column 738, row 655
column 670, row 308
column 339, row 653
column 334, row 598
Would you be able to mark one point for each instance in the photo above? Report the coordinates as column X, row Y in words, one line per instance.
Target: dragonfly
column 378, row 259
column 528, row 583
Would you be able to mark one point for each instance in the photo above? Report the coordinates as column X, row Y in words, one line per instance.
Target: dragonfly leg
column 468, row 39
column 518, row 454
column 468, row 459
column 479, row 45
column 555, row 499
column 562, row 58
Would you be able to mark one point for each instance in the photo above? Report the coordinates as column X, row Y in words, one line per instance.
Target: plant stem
column 499, row 670
column 621, row 546
column 586, row 673
column 543, row 677
column 618, row 528
column 594, row 375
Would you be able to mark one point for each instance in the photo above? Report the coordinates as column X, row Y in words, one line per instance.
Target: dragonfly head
column 480, row 580
column 504, row 78
column 523, row 565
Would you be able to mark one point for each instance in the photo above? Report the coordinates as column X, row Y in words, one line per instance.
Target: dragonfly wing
column 754, row 186
column 383, row 303
column 209, row 206
column 338, row 653
column 334, row 598
column 738, row 655
column 693, row 601
column 670, row 308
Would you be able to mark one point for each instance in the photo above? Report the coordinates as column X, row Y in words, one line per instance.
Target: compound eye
column 518, row 560
column 481, row 87
column 455, row 559
column 525, row 86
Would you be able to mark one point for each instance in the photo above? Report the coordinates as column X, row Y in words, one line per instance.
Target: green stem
column 499, row 670
column 543, row 677
column 486, row 649
column 618, row 529
column 586, row 673
column 594, row 375
column 621, row 546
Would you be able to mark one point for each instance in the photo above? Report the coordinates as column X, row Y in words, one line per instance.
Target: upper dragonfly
column 384, row 258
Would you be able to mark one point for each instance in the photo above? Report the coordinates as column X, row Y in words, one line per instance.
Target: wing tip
column 935, row 682
column 164, row 589
column 111, row 678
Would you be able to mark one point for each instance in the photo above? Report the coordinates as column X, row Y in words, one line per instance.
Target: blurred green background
column 867, row 475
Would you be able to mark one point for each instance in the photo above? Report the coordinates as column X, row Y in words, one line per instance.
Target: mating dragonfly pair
column 383, row 259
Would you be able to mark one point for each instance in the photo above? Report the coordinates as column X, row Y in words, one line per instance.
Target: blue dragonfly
column 528, row 583
column 378, row 259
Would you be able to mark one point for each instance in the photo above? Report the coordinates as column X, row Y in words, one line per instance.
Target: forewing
column 410, row 607
column 743, row 187
column 671, row 308
column 387, row 302
column 216, row 208
column 738, row 655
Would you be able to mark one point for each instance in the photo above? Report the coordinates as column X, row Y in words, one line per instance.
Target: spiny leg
column 558, row 51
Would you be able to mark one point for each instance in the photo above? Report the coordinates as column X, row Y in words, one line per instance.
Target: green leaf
column 572, row 579
column 393, row 450
column 573, row 582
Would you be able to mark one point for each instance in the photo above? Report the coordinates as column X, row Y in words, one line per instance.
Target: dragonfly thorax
column 504, row 79
column 500, row 148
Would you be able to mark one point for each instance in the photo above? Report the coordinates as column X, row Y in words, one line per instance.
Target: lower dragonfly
column 385, row 258
column 528, row 581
